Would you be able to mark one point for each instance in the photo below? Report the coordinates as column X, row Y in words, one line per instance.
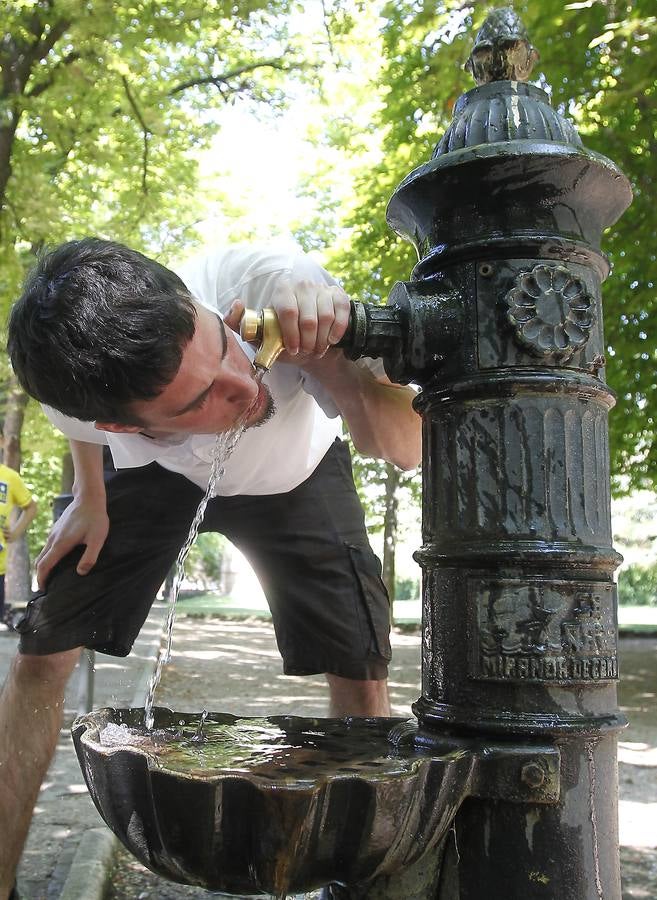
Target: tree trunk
column 7, row 135
column 393, row 476
column 17, row 581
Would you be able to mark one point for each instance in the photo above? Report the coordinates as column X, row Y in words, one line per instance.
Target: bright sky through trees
column 254, row 167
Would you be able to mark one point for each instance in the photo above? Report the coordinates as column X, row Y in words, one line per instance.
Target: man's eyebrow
column 201, row 397
column 224, row 340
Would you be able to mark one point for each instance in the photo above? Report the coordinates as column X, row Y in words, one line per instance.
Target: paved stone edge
column 93, row 860
column 91, row 866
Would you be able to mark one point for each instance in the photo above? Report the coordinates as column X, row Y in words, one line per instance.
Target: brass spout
column 262, row 327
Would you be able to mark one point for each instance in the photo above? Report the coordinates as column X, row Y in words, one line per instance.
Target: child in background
column 13, row 493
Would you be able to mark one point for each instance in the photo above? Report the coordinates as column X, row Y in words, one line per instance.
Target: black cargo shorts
column 308, row 547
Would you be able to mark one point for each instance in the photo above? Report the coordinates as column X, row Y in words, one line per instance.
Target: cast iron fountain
column 505, row 783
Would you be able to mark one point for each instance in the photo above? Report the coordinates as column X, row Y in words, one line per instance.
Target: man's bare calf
column 31, row 710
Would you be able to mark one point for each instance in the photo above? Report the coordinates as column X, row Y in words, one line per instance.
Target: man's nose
column 239, row 389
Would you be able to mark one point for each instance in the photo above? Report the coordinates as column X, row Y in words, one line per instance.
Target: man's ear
column 118, row 429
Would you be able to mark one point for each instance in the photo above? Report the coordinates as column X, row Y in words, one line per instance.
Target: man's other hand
column 83, row 522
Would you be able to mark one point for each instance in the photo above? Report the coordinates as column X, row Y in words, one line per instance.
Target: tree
column 104, row 106
column 599, row 58
column 382, row 488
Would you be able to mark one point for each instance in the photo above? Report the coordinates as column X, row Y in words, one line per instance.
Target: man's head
column 98, row 326
column 102, row 333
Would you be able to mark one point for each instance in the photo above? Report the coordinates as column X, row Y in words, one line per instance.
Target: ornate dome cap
column 504, row 107
column 505, row 111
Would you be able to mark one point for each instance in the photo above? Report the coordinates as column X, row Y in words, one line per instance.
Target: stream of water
column 224, row 445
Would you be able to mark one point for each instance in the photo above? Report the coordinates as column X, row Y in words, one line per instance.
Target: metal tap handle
column 261, row 326
column 371, row 330
column 420, row 326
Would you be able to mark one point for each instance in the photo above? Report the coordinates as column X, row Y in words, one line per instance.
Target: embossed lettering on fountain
column 527, row 630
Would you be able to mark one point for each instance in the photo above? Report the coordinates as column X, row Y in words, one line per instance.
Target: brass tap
column 262, row 327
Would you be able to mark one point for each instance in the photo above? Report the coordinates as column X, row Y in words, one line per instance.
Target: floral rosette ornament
column 551, row 311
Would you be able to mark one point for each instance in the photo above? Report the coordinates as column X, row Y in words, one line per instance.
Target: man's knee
column 52, row 670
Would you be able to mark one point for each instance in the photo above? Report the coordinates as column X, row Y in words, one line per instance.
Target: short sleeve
column 21, row 494
column 74, row 429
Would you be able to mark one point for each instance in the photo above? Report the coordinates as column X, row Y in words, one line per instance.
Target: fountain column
column 502, row 328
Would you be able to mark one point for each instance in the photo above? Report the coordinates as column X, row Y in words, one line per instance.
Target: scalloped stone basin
column 266, row 805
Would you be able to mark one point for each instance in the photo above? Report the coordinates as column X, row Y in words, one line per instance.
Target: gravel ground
column 233, row 666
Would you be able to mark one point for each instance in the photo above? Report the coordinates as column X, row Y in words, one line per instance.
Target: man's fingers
column 44, row 550
column 325, row 319
column 88, row 559
column 308, row 315
column 46, row 561
column 342, row 311
column 234, row 316
column 287, row 312
column 313, row 317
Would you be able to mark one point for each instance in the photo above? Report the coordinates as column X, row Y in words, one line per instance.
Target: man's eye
column 200, row 403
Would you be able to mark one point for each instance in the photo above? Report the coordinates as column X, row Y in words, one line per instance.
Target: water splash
column 224, row 445
column 199, row 736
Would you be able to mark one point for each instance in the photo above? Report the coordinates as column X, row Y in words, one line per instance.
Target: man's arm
column 313, row 315
column 85, row 520
column 378, row 413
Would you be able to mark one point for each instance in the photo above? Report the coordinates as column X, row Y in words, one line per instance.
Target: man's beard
column 268, row 411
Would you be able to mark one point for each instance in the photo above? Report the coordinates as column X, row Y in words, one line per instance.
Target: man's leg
column 349, row 697
column 310, row 550
column 150, row 510
column 31, row 709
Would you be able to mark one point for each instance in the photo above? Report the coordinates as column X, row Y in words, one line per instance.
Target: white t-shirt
column 277, row 455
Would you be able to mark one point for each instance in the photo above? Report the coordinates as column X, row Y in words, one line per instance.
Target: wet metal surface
column 276, row 804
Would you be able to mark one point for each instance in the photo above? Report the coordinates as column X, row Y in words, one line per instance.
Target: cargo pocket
column 374, row 598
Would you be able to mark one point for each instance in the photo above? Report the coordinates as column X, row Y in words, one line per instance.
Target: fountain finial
column 502, row 50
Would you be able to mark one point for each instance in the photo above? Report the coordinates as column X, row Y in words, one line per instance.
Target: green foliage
column 407, row 588
column 115, row 104
column 599, row 60
column 205, row 558
column 637, row 586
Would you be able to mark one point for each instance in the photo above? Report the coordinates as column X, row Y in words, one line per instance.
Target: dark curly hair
column 97, row 327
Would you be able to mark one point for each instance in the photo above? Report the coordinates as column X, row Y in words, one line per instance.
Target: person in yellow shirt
column 13, row 493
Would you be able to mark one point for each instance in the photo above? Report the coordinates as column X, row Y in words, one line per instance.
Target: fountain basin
column 267, row 805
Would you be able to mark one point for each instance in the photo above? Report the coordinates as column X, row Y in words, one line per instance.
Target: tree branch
column 329, row 36
column 223, row 80
column 146, row 131
column 38, row 89
column 39, row 50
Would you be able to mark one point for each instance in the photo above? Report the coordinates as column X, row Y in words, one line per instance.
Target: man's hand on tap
column 313, row 317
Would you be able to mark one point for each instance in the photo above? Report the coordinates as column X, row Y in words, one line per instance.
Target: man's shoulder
column 233, row 263
column 220, row 274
